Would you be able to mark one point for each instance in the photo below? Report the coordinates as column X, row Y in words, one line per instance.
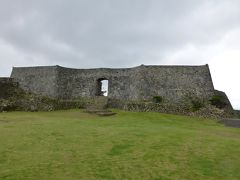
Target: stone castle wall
column 139, row 83
column 39, row 80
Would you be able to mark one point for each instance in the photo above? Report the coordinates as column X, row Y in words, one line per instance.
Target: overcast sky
column 124, row 33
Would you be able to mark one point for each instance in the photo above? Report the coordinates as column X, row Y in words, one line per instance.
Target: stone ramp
column 98, row 103
column 99, row 106
column 231, row 122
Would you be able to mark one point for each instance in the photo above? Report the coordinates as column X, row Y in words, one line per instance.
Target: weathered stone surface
column 13, row 98
column 173, row 83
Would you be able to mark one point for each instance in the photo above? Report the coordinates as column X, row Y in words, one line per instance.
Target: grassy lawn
column 75, row 145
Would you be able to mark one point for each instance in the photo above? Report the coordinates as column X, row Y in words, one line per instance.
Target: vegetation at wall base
column 19, row 100
column 71, row 144
column 197, row 105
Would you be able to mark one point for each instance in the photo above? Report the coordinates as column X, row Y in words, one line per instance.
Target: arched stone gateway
column 102, row 87
column 172, row 83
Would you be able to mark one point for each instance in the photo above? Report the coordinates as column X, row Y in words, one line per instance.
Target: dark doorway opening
column 102, row 87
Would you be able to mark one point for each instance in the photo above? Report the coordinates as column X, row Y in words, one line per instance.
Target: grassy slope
column 75, row 145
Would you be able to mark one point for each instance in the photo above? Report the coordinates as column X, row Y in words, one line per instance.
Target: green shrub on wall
column 197, row 104
column 157, row 99
column 218, row 101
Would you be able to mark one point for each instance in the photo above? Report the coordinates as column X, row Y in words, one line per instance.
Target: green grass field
column 130, row 145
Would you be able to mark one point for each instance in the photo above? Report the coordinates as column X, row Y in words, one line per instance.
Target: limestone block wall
column 143, row 82
column 73, row 83
column 39, row 80
column 175, row 82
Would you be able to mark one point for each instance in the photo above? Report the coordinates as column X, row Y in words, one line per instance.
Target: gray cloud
column 112, row 30
column 111, row 33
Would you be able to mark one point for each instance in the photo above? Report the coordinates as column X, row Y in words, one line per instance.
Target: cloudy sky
column 124, row 33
